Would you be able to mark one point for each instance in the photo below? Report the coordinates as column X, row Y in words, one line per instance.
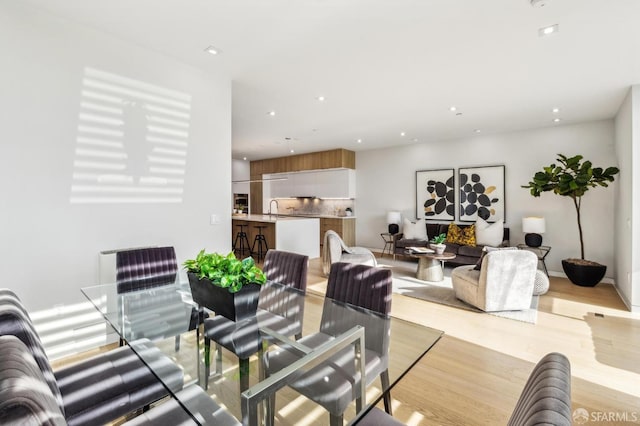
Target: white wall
column 49, row 245
column 240, row 170
column 627, row 196
column 386, row 181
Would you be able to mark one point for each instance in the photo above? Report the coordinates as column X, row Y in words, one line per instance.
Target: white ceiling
column 388, row 66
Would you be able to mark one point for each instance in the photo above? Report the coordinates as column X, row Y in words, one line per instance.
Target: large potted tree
column 224, row 284
column 573, row 178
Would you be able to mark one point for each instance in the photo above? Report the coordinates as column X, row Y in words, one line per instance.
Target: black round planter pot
column 584, row 275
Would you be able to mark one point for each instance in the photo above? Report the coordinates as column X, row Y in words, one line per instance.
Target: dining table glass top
column 167, row 317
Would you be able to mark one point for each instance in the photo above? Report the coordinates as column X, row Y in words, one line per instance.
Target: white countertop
column 267, row 218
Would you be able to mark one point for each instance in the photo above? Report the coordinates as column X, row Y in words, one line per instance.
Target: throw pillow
column 489, row 234
column 463, row 236
column 414, row 231
column 488, row 249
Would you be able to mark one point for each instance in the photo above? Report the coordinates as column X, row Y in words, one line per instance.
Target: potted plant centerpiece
column 224, row 284
column 573, row 178
column 437, row 243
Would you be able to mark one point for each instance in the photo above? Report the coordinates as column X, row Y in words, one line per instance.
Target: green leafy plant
column 571, row 178
column 439, row 239
column 225, row 271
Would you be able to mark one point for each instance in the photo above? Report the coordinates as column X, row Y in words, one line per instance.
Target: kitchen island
column 288, row 233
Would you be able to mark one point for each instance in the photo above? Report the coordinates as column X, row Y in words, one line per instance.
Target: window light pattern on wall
column 132, row 140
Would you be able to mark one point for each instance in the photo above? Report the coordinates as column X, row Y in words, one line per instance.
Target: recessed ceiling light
column 452, row 109
column 477, row 130
column 458, row 113
column 555, row 110
column 359, row 140
column 402, row 133
column 292, row 151
column 212, row 49
column 556, row 120
column 414, row 140
column 244, row 158
column 546, row 31
column 320, row 98
column 271, row 113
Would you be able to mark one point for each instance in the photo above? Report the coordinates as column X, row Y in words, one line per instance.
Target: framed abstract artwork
column 481, row 193
column 435, row 194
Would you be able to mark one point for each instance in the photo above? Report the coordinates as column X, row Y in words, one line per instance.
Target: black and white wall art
column 435, row 194
column 481, row 193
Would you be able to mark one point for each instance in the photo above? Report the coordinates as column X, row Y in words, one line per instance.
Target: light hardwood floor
column 474, row 374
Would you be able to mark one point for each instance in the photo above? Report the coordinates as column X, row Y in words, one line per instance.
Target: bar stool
column 263, row 247
column 241, row 242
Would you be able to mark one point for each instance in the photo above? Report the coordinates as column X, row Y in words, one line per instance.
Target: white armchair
column 503, row 283
column 335, row 250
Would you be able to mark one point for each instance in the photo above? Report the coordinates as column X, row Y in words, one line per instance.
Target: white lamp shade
column 394, row 217
column 533, row 225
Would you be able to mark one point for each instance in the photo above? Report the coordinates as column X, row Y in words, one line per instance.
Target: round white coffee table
column 430, row 265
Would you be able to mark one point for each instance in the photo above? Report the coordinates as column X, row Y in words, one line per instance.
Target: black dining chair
column 96, row 390
column 151, row 268
column 357, row 295
column 280, row 308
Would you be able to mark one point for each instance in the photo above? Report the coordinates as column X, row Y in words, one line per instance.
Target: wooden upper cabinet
column 332, row 159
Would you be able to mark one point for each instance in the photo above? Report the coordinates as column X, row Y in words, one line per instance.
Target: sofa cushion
column 414, row 230
column 406, row 242
column 489, row 234
column 471, row 251
column 463, row 236
column 452, row 248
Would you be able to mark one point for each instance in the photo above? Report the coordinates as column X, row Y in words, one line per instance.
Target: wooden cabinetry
column 346, row 228
column 332, row 159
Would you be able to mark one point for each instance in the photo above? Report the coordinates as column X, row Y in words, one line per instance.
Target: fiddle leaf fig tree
column 571, row 178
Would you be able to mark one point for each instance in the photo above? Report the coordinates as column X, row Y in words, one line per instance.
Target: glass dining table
column 166, row 317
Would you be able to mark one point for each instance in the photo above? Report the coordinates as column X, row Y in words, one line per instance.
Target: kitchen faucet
column 277, row 207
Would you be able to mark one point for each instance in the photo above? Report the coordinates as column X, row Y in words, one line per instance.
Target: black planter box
column 234, row 306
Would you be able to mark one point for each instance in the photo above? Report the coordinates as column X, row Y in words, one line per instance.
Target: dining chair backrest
column 24, row 397
column 367, row 291
column 366, row 286
column 286, row 268
column 15, row 321
column 144, row 268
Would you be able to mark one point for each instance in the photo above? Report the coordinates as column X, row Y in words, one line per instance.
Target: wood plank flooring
column 475, row 373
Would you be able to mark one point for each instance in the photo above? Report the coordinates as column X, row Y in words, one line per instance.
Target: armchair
column 335, row 250
column 503, row 283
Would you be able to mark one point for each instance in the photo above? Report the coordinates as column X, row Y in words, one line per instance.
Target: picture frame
column 481, row 193
column 435, row 194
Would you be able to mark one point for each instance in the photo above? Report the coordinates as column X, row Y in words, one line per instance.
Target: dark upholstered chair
column 201, row 405
column 99, row 389
column 281, row 311
column 545, row 399
column 334, row 383
column 278, row 309
column 145, row 268
column 26, row 399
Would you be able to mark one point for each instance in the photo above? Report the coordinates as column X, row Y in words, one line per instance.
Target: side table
column 388, row 244
column 541, row 252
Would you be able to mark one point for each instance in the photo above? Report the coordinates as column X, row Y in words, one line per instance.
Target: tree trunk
column 576, row 203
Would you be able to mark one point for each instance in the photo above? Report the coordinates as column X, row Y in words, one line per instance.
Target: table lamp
column 393, row 219
column 533, row 226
